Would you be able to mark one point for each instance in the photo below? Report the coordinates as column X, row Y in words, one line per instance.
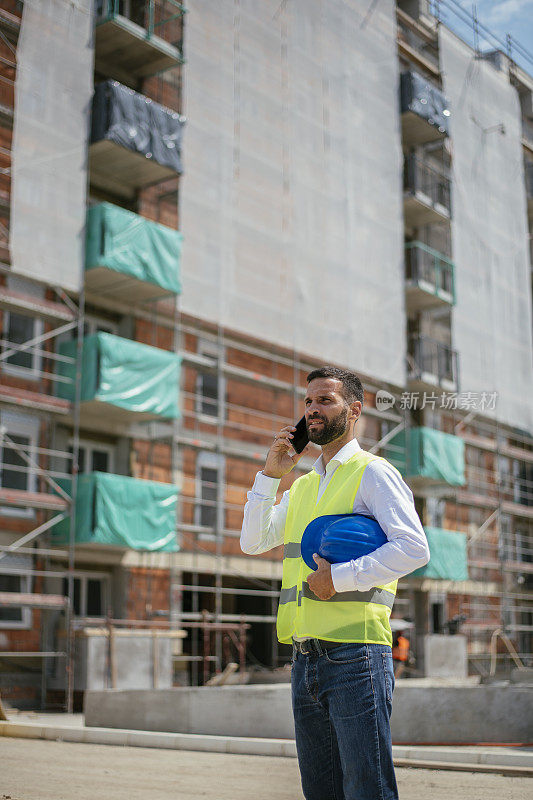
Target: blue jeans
column 342, row 702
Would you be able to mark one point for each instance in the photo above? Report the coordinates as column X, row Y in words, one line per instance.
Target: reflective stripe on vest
column 379, row 596
column 292, row 550
column 347, row 616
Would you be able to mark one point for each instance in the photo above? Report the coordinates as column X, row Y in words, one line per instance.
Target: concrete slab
column 462, row 714
column 247, row 711
column 423, row 713
column 445, row 656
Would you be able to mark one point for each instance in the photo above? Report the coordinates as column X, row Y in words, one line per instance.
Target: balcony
column 135, row 142
column 448, row 556
column 432, row 365
column 129, row 258
column 134, row 41
column 527, row 134
column 418, row 43
column 424, row 109
column 427, row 457
column 122, row 381
column 429, row 277
column 8, row 69
column 427, row 196
column 123, row 512
column 528, row 170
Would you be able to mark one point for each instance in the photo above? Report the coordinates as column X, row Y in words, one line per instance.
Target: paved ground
column 40, row 770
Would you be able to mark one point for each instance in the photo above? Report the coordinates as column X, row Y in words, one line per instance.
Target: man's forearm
column 264, row 523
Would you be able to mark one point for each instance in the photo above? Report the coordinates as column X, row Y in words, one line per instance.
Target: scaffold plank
column 22, row 499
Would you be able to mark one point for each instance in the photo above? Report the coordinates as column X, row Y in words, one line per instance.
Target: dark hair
column 352, row 388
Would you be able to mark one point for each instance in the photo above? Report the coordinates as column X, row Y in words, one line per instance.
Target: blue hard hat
column 341, row 537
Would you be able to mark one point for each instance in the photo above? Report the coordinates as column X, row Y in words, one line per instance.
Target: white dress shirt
column 382, row 494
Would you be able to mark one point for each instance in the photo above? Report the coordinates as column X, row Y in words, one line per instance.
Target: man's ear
column 356, row 408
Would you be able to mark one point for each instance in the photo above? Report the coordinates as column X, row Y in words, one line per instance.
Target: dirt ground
column 41, row 770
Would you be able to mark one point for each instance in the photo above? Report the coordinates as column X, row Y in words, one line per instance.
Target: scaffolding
column 493, row 509
column 211, row 500
column 235, row 394
column 32, row 483
column 39, row 470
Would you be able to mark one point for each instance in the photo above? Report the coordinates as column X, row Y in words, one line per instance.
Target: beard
column 331, row 428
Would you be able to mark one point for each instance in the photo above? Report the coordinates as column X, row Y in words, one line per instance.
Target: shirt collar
column 346, row 452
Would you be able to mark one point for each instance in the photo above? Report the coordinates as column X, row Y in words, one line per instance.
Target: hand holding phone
column 279, row 462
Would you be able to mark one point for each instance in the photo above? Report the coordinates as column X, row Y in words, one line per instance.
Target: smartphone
column 300, row 437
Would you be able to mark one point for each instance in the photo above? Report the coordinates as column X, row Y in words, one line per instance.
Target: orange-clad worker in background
column 400, row 653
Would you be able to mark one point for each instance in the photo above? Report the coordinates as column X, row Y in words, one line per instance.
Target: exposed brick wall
column 17, row 525
column 252, row 412
column 147, row 592
column 25, row 640
column 165, row 89
column 152, row 461
column 155, row 335
column 14, row 7
column 23, row 695
column 160, row 203
column 5, row 164
column 464, row 604
column 28, row 640
column 8, row 69
column 9, row 19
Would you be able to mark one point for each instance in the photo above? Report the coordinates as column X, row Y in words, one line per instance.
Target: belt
column 307, row 646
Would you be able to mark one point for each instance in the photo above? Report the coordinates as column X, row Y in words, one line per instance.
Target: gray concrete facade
column 291, row 201
column 492, row 318
column 49, row 153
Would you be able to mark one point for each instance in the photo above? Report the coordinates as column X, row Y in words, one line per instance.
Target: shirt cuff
column 265, row 486
column 343, row 577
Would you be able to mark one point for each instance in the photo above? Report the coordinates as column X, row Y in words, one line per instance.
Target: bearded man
column 337, row 617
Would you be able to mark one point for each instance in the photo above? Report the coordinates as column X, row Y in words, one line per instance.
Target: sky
column 501, row 17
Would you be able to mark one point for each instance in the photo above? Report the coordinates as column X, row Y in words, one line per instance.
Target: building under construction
column 199, row 205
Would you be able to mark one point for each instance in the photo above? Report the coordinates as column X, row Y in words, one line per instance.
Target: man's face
column 326, row 411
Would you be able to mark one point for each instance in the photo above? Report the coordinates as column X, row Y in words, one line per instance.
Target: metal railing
column 422, row 263
column 482, row 40
column 528, row 174
column 8, row 69
column 419, row 177
column 418, row 38
column 155, row 16
column 432, row 357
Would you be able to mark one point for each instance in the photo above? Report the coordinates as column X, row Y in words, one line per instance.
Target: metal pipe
column 175, row 601
column 31, row 535
column 74, row 491
column 38, row 339
column 34, row 466
column 212, row 589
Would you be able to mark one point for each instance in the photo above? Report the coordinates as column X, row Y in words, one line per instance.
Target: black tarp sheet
column 138, row 123
column 420, row 96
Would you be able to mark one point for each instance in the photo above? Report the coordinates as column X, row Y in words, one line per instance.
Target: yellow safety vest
column 347, row 616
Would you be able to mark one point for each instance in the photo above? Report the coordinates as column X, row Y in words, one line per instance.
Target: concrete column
column 422, row 627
